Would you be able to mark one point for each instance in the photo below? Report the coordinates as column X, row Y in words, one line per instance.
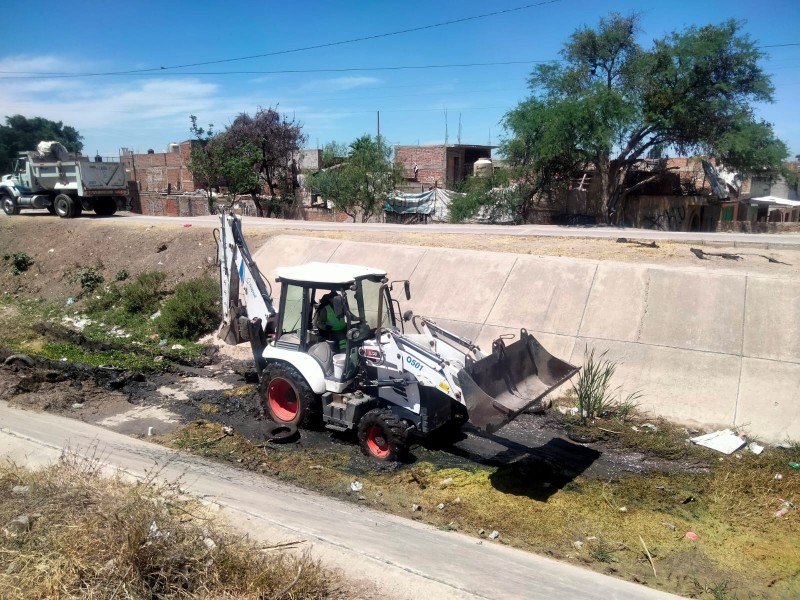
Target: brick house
column 441, row 165
column 161, row 171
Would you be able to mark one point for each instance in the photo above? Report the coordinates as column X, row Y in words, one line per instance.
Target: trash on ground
column 725, row 441
column 494, row 535
column 176, row 347
column 755, row 448
column 440, row 506
column 691, row 535
column 416, row 508
column 650, row 426
column 577, row 544
column 778, row 476
column 70, row 300
column 155, row 315
column 356, row 486
column 794, row 465
column 670, row 526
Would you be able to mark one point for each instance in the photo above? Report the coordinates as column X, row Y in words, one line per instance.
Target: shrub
column 122, row 275
column 20, row 262
column 143, row 293
column 90, row 278
column 104, row 301
column 193, row 310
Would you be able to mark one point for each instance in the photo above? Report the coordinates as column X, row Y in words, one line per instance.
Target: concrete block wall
column 171, row 205
column 709, row 348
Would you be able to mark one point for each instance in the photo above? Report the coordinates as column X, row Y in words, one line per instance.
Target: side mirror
column 408, row 315
column 407, row 289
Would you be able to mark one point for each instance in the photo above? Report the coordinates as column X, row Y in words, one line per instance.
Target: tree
column 21, row 134
column 363, row 182
column 610, row 103
column 271, row 141
column 206, row 161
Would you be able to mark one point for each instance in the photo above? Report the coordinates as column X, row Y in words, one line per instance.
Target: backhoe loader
column 334, row 352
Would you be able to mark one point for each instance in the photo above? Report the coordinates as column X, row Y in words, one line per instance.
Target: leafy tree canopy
column 253, row 155
column 21, row 134
column 610, row 103
column 363, row 182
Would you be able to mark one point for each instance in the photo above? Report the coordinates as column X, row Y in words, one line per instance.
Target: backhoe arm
column 245, row 295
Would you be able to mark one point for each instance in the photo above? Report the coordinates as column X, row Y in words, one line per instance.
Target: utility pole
column 459, row 129
column 379, row 128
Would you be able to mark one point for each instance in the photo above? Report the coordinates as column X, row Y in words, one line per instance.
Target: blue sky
column 351, row 82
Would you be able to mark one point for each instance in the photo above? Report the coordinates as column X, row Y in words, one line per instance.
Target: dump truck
column 334, row 352
column 62, row 183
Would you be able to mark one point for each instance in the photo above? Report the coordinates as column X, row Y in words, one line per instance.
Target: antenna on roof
column 459, row 129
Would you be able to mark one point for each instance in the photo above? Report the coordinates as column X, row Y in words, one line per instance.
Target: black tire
column 10, row 206
column 382, row 435
column 287, row 398
column 105, row 206
column 67, row 207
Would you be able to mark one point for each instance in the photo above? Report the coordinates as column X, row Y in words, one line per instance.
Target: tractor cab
column 327, row 310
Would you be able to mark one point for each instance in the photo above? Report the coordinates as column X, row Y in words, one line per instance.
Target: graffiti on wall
column 669, row 219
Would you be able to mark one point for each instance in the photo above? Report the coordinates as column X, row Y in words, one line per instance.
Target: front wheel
column 382, row 435
column 287, row 398
column 10, row 206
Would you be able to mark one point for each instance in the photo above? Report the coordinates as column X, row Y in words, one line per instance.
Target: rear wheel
column 67, row 207
column 382, row 435
column 287, row 398
column 105, row 206
column 10, row 206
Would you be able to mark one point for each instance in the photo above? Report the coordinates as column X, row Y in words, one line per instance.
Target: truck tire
column 105, row 206
column 10, row 206
column 382, row 435
column 287, row 398
column 67, row 207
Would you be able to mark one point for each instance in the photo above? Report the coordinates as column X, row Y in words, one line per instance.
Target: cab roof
column 327, row 273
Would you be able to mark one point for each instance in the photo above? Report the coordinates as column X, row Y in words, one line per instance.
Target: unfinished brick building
column 161, row 171
column 443, row 165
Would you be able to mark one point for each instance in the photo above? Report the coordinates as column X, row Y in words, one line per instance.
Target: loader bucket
column 496, row 389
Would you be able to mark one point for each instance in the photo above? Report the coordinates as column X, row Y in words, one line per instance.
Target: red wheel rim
column 377, row 442
column 282, row 400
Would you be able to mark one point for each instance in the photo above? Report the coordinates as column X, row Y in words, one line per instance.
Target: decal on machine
column 410, row 360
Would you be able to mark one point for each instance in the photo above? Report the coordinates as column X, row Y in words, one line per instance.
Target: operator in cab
column 329, row 323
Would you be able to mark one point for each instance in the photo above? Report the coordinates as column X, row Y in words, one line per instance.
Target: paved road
column 738, row 240
column 408, row 559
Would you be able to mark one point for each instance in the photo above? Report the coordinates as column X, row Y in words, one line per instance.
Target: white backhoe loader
column 334, row 353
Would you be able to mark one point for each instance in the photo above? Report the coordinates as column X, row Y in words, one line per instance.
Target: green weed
column 20, row 262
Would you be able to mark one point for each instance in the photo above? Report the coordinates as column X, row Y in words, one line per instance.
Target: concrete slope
column 704, row 347
column 408, row 560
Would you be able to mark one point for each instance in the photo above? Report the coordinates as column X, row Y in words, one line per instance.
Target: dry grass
column 97, row 537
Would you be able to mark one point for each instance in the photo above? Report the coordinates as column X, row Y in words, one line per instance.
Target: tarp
column 435, row 203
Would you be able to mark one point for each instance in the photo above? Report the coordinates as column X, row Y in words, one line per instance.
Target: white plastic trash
column 338, row 365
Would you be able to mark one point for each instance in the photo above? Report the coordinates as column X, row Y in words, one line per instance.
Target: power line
column 315, row 47
column 289, row 71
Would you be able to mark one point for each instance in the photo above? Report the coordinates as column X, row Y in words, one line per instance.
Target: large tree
column 271, row 142
column 363, row 182
column 610, row 102
column 21, row 134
